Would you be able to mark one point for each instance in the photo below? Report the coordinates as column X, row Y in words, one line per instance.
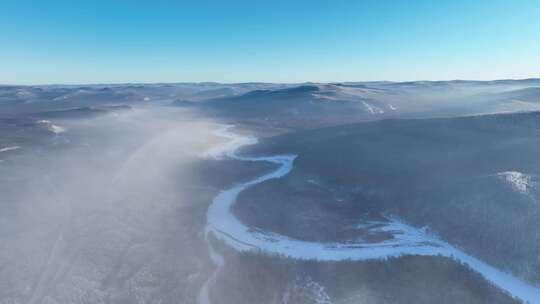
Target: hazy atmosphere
column 286, row 152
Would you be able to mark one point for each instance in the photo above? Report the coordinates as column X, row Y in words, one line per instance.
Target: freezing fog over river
column 415, row 192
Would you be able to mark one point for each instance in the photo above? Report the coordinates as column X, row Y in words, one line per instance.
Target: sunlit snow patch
column 305, row 290
column 56, row 129
column 519, row 181
column 9, row 148
column 372, row 109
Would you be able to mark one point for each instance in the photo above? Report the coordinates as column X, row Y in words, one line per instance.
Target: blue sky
column 274, row 41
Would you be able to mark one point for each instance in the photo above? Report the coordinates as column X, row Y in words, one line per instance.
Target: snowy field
column 407, row 240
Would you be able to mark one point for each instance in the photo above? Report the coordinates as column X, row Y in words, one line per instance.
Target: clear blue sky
column 103, row 41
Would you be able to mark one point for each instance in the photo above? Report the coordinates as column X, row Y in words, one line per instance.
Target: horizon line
column 260, row 82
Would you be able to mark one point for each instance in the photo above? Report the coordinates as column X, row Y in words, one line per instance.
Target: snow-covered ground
column 519, row 181
column 407, row 240
column 372, row 109
column 10, row 148
column 308, row 290
column 56, row 129
column 219, row 262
